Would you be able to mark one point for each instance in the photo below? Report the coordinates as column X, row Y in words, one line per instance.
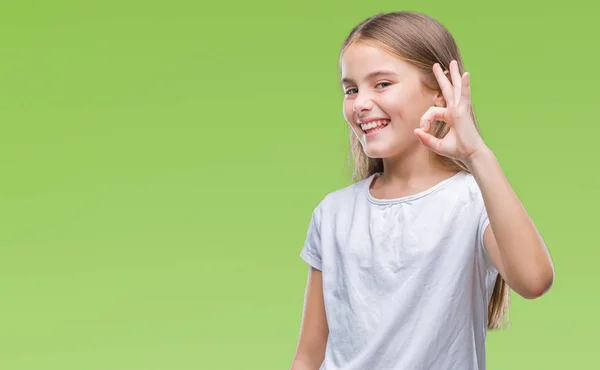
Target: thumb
column 428, row 140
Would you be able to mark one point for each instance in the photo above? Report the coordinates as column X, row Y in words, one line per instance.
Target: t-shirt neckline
column 407, row 198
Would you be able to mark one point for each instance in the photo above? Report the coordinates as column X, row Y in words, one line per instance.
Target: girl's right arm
column 313, row 330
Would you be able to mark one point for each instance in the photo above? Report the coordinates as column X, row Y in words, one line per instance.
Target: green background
column 161, row 160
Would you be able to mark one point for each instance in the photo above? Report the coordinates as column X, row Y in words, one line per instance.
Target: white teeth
column 370, row 125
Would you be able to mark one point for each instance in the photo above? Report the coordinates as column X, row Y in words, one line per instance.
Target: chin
column 379, row 151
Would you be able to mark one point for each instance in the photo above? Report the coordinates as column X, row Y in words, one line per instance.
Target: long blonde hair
column 421, row 41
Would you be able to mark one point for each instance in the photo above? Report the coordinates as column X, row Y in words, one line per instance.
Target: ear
column 438, row 99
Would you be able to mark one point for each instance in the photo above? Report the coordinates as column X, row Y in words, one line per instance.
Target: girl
column 412, row 264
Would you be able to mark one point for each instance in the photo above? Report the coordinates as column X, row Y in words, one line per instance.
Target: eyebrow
column 372, row 75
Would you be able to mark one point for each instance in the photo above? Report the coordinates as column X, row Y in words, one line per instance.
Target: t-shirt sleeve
column 311, row 252
column 484, row 222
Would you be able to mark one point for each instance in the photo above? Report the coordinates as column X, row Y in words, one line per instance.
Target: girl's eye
column 349, row 91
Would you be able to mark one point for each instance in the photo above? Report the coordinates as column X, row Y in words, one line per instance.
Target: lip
column 371, row 119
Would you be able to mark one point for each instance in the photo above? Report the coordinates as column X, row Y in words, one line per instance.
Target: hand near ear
column 463, row 139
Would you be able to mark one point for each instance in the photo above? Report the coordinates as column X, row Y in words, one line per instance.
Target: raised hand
column 463, row 139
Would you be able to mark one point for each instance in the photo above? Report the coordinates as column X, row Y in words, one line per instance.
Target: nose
column 362, row 103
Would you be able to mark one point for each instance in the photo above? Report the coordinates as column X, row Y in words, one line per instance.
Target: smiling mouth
column 374, row 126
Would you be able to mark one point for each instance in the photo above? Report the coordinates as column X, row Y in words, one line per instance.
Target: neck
column 414, row 167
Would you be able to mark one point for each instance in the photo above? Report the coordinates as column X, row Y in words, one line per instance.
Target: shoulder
column 460, row 194
column 344, row 197
column 468, row 187
column 471, row 193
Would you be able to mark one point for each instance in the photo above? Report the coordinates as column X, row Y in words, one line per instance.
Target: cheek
column 395, row 106
column 348, row 111
column 405, row 106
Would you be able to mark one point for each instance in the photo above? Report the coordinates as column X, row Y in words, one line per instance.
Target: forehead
column 361, row 60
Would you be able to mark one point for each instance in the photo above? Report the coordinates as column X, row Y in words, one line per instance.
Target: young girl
column 412, row 264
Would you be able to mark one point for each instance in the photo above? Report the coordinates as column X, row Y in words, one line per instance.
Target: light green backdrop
column 160, row 162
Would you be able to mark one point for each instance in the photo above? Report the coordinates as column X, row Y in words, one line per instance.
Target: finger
column 444, row 83
column 431, row 114
column 456, row 80
column 429, row 140
column 466, row 87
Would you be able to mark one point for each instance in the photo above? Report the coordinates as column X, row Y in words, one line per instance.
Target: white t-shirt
column 406, row 281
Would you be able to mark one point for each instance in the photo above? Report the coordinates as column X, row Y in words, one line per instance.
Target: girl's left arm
column 511, row 239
